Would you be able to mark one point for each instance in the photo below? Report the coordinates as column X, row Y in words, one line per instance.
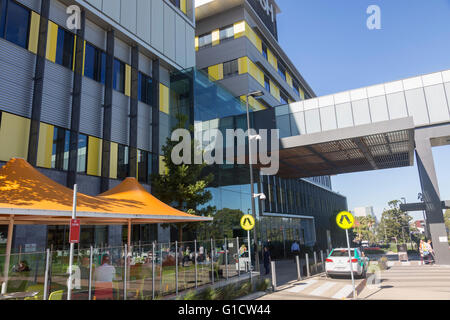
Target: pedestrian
column 201, row 254
column 295, row 249
column 424, row 251
column 431, row 251
column 267, row 260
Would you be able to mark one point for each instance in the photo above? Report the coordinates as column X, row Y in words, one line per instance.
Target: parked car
column 337, row 263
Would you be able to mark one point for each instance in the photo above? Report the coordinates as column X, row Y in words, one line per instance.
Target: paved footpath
column 411, row 282
column 316, row 288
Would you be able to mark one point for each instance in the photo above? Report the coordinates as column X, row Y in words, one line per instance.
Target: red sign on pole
column 74, row 231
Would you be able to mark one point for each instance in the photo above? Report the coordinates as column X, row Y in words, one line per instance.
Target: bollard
column 212, row 262
column 323, row 262
column 299, row 273
column 176, row 268
column 307, row 265
column 47, row 263
column 153, row 270
column 274, row 276
column 226, row 257
column 125, row 276
column 315, row 263
column 195, row 262
column 237, row 254
column 91, row 258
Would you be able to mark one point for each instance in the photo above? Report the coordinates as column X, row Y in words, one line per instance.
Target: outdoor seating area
column 28, row 197
column 140, row 272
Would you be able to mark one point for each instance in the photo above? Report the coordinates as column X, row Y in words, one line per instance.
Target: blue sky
column 330, row 44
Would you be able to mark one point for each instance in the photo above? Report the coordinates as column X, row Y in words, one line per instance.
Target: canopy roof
column 33, row 198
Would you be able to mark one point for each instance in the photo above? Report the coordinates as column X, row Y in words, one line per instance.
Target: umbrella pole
column 129, row 233
column 8, row 254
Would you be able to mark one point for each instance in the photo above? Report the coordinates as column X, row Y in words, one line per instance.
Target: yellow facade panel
column 256, row 73
column 52, row 38
column 163, row 98
column 289, row 80
column 127, row 80
column 113, row 160
column 162, row 166
column 275, row 91
column 34, row 32
column 272, row 59
column 239, row 29
column 196, row 43
column 216, row 72
column 94, row 166
column 243, row 65
column 183, row 6
column 45, row 147
column 14, row 135
column 215, row 37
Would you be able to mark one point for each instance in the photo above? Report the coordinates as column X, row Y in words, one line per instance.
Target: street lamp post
column 255, row 94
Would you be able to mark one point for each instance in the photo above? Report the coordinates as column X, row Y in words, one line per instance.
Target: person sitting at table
column 22, row 266
column 104, row 276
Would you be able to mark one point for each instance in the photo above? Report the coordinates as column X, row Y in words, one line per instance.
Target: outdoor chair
column 56, row 295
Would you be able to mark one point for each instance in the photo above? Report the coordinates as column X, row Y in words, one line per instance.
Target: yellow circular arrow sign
column 247, row 222
column 345, row 220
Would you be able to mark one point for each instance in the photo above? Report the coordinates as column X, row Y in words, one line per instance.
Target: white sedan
column 337, row 263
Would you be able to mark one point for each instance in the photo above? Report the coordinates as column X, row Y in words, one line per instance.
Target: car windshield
column 342, row 253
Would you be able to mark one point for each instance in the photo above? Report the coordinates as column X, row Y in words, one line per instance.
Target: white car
column 337, row 263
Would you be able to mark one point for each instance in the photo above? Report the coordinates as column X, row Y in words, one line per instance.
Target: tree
column 365, row 229
column 222, row 225
column 182, row 186
column 447, row 220
column 395, row 224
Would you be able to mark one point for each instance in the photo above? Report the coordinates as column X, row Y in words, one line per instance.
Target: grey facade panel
column 96, row 3
column 122, row 51
column 180, row 34
column 112, row 9
column 218, row 21
column 32, row 4
column 91, row 115
column 223, row 52
column 169, row 32
column 95, row 35
column 120, row 119
column 56, row 96
column 128, row 11
column 144, row 127
column 145, row 64
column 144, row 11
column 157, row 25
column 190, row 47
column 164, row 76
column 57, row 13
column 16, row 79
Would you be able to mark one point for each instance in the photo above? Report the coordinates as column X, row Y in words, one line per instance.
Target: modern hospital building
column 95, row 105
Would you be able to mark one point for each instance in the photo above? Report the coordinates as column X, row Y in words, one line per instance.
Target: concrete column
column 430, row 191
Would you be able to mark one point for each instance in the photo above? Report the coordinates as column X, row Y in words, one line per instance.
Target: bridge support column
column 431, row 197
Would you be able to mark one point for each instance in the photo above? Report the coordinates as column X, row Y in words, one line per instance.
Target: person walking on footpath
column 295, row 249
column 431, row 251
column 267, row 260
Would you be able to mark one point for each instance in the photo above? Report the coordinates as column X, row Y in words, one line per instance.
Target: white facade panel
column 344, row 115
column 95, row 35
column 361, row 112
column 190, row 46
column 298, row 126
column 417, row 106
column 328, row 118
column 397, row 105
column 96, row 3
column 122, row 51
column 437, row 103
column 312, row 120
column 180, row 36
column 378, row 109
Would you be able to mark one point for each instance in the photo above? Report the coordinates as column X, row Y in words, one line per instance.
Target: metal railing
column 144, row 271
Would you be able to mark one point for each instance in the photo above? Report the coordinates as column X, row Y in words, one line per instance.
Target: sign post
column 74, row 238
column 345, row 220
column 248, row 223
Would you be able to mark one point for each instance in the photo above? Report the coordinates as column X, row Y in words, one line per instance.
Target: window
column 283, row 98
column 145, row 88
column 267, row 83
column 227, row 33
column 17, row 23
column 95, row 63
column 282, row 70
column 264, row 51
column 144, row 166
column 296, row 87
column 82, row 153
column 64, row 48
column 230, row 68
column 2, row 18
column 60, row 150
column 205, row 40
column 119, row 76
column 122, row 162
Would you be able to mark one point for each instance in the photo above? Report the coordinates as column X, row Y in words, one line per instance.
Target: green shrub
column 190, row 295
